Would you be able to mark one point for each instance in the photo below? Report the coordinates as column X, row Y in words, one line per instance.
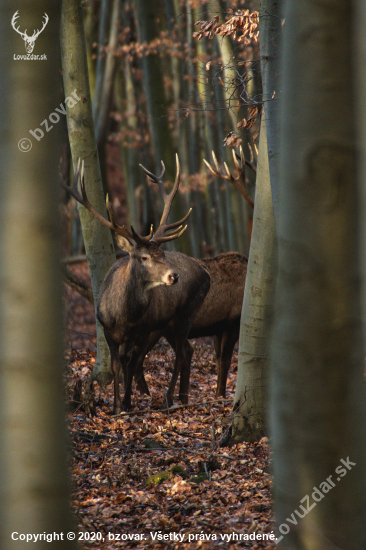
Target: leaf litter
column 149, row 473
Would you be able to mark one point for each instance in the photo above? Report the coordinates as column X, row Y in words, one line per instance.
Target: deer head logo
column 28, row 40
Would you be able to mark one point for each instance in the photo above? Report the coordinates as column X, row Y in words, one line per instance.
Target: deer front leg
column 115, row 368
column 125, row 353
column 183, row 354
column 154, row 337
column 138, row 354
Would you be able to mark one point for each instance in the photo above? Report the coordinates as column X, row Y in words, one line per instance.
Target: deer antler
column 160, row 235
column 240, row 181
column 83, row 199
column 13, row 21
column 37, row 33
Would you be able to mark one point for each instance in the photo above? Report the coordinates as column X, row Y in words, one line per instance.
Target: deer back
column 223, row 302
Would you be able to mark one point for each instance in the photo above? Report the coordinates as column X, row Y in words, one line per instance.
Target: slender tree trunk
column 228, row 60
column 34, row 482
column 105, row 75
column 270, row 40
column 131, row 154
column 317, row 407
column 251, row 387
column 148, row 13
column 250, row 396
column 98, row 242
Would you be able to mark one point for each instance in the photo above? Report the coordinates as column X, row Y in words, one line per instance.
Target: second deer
column 219, row 315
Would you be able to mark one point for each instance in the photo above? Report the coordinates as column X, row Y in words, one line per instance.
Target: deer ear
column 124, row 244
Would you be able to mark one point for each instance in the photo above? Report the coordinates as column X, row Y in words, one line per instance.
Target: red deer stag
column 219, row 315
column 148, row 292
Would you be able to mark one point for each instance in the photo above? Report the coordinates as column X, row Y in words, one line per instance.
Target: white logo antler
column 29, row 40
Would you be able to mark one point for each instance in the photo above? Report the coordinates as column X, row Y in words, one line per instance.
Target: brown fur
column 219, row 314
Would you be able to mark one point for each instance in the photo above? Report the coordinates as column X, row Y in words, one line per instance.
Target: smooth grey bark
column 317, row 402
column 228, row 59
column 34, row 481
column 250, row 401
column 98, row 242
column 270, row 42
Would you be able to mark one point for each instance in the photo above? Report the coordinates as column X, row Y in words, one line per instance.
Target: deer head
column 144, row 250
column 28, row 40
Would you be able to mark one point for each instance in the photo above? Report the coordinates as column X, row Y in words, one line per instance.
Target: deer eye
column 144, row 258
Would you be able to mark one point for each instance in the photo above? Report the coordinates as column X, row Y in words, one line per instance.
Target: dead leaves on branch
column 252, row 122
column 243, row 27
column 232, row 140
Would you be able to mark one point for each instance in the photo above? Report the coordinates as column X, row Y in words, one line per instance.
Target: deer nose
column 173, row 278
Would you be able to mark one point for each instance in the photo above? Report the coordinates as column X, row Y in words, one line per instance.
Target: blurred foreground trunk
column 317, row 409
column 34, row 482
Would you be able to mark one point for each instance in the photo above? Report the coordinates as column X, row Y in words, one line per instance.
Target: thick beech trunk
column 317, row 409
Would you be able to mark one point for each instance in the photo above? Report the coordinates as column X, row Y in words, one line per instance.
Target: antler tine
column 215, row 162
column 174, row 235
column 156, row 179
column 168, row 199
column 240, row 181
column 140, row 239
column 210, row 167
column 161, row 235
column 236, row 162
column 249, row 163
column 228, row 176
column 217, row 170
column 119, row 229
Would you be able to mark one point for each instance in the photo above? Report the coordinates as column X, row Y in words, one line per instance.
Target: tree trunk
column 105, row 73
column 360, row 81
column 149, row 18
column 250, row 394
column 148, row 13
column 270, row 40
column 34, row 481
column 229, row 62
column 98, row 242
column 317, row 409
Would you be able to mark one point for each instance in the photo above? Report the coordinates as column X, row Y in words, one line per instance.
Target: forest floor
column 155, row 479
